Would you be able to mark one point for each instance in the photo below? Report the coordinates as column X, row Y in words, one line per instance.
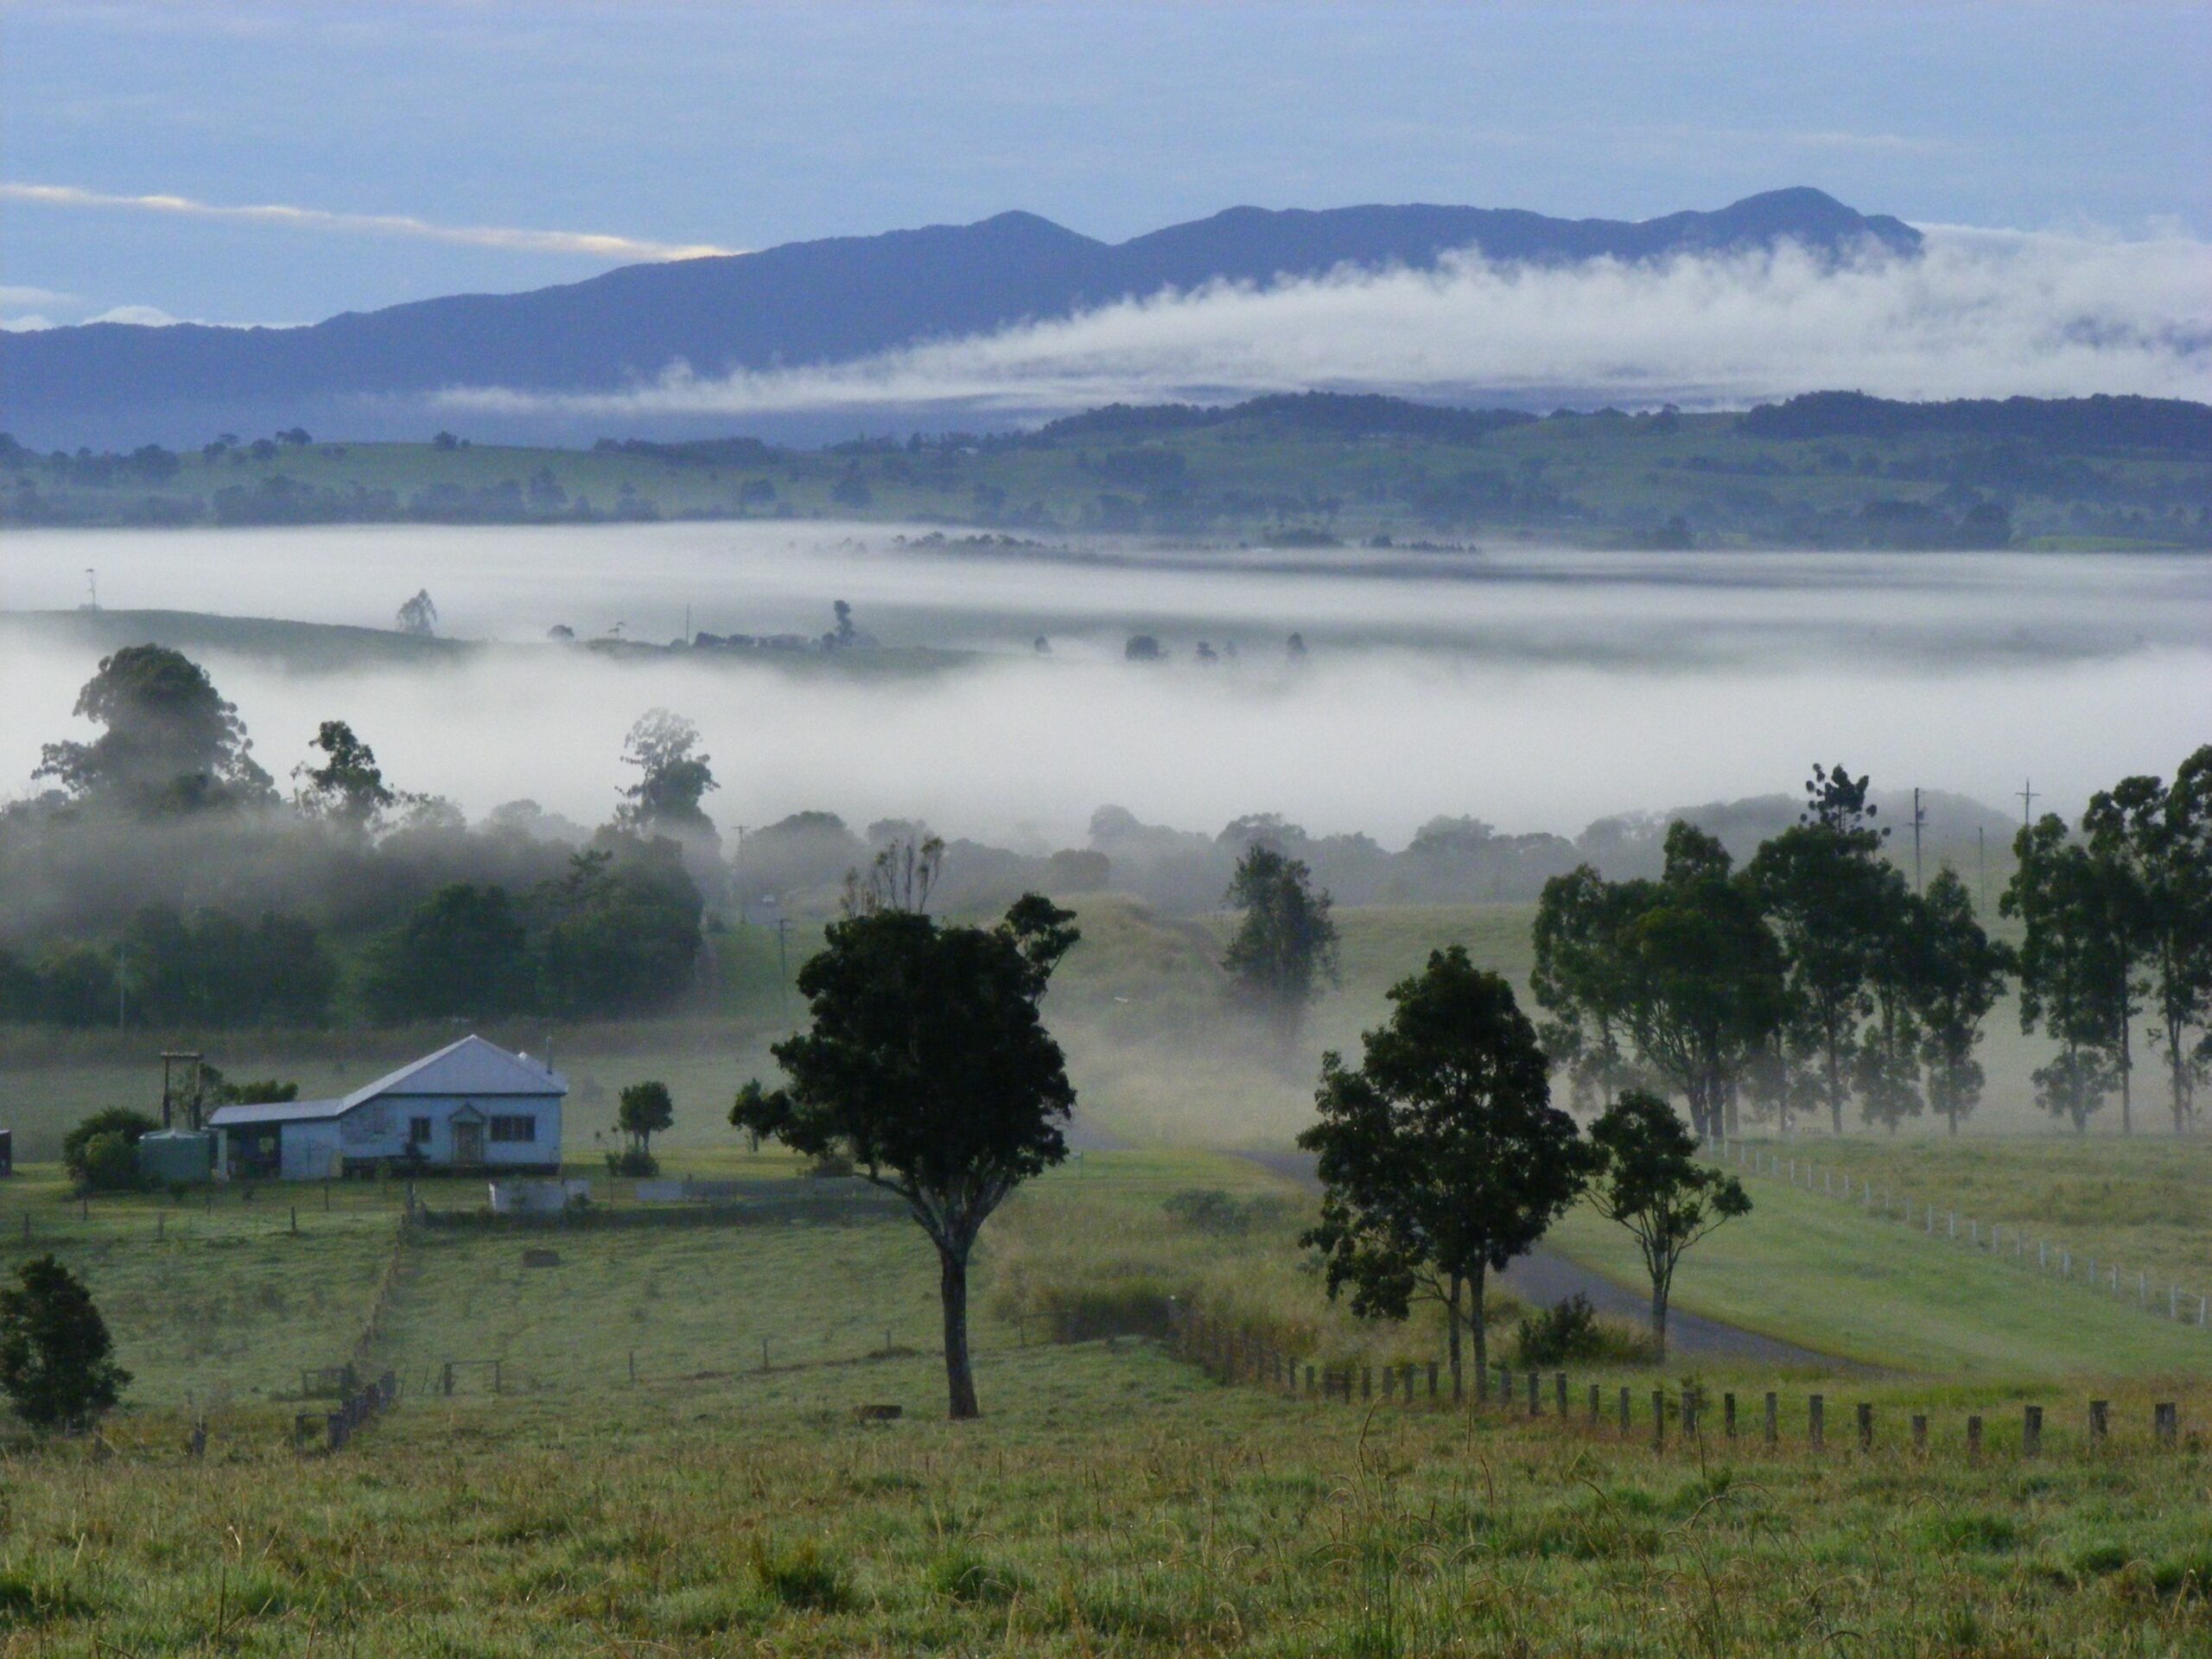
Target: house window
column 518, row 1127
column 418, row 1131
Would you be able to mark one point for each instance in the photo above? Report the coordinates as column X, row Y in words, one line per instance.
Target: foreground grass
column 1111, row 1502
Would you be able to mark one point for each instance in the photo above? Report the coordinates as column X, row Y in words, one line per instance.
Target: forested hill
column 803, row 302
column 1832, row 469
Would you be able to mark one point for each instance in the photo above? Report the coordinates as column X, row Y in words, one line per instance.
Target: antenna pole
column 1919, row 817
column 2027, row 801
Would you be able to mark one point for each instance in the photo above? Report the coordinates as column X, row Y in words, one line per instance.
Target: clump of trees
column 1284, row 951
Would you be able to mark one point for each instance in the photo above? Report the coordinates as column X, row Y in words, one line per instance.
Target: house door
column 467, row 1142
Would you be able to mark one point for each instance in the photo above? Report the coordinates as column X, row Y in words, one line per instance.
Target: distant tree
column 463, row 952
column 419, row 615
column 1957, row 974
column 348, row 787
column 1885, row 1072
column 2068, row 956
column 118, row 1123
column 621, row 928
column 644, row 1111
column 1831, row 900
column 899, row 877
column 1704, row 993
column 1284, row 951
column 445, row 440
column 2155, row 842
column 172, row 744
column 561, row 634
column 927, row 1065
column 1651, row 1181
column 55, row 1355
column 1440, row 1156
column 1295, row 647
column 842, row 635
column 298, row 435
column 673, row 778
column 1141, row 648
column 1577, row 978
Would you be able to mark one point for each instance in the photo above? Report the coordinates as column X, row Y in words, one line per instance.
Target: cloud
column 146, row 316
column 587, row 243
column 1979, row 314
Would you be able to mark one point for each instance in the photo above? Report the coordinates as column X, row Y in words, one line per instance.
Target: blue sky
column 738, row 126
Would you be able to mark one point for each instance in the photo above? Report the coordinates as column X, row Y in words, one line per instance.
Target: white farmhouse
column 471, row 1106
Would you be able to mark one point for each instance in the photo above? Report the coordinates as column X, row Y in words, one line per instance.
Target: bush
column 118, row 1121
column 54, row 1349
column 633, row 1161
column 110, row 1164
column 830, row 1166
column 1566, row 1331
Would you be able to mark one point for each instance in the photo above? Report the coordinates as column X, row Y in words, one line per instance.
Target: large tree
column 928, row 1064
column 1957, row 974
column 171, row 743
column 1441, row 1157
column 2155, row 844
column 1831, row 897
column 463, row 952
column 673, row 778
column 1284, row 949
column 646, row 1109
column 1704, row 990
column 347, row 788
column 1578, row 979
column 1651, row 1181
column 2069, row 956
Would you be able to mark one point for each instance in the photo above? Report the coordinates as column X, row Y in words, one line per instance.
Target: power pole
column 784, row 961
column 2027, row 801
column 121, row 968
column 1981, row 866
column 1919, row 817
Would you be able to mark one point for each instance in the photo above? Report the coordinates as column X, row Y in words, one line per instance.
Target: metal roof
column 471, row 1066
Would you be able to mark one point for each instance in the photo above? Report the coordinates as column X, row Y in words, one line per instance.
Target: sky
column 416, row 150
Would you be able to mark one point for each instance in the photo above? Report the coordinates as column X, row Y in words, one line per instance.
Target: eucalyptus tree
column 2069, row 956
column 1832, row 898
column 1578, row 979
column 1440, row 1156
column 1958, row 972
column 1284, row 951
column 1650, row 1179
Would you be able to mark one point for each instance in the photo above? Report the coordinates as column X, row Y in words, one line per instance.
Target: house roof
column 471, row 1066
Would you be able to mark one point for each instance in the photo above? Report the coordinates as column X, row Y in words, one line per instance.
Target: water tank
column 169, row 1155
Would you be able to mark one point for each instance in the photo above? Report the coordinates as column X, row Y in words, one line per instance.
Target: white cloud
column 592, row 245
column 147, row 316
column 1979, row 314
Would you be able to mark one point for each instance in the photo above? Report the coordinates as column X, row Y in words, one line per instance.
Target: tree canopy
column 1649, row 1180
column 1284, row 951
column 55, row 1363
column 171, row 743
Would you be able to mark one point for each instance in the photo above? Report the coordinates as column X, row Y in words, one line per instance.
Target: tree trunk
column 1659, row 1315
column 2127, row 1077
column 1835, row 1090
column 959, row 1378
column 1475, row 1321
column 1451, row 1326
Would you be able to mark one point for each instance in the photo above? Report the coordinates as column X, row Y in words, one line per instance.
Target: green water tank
column 168, row 1155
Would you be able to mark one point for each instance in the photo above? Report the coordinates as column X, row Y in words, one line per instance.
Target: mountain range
column 801, row 303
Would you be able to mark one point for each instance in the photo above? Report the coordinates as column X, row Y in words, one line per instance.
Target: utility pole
column 1981, row 866
column 1919, row 818
column 2027, row 801
column 121, row 968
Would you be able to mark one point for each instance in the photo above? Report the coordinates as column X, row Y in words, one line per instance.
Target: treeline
column 162, row 879
column 1815, row 977
column 2098, row 423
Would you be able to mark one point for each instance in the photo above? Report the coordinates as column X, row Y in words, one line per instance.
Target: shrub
column 802, row 1576
column 108, row 1163
column 830, row 1166
column 54, row 1364
column 114, row 1119
column 1566, row 1331
column 633, row 1161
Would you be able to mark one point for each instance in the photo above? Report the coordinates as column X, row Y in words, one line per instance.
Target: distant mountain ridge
column 803, row 302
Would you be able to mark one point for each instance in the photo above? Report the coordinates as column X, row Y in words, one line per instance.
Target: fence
column 360, row 1401
column 1236, row 1357
column 2169, row 1301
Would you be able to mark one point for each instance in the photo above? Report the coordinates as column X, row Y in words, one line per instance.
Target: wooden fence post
column 1624, row 1411
column 1535, row 1395
column 2100, row 1421
column 1658, row 1420
column 1432, row 1370
column 2031, row 1432
column 1818, row 1413
column 1773, row 1419
column 1559, row 1393
column 1865, row 1427
column 1973, row 1439
column 1366, row 1382
column 1309, row 1382
column 1689, row 1412
column 2166, row 1421
column 1389, row 1381
column 1728, row 1416
column 1597, row 1404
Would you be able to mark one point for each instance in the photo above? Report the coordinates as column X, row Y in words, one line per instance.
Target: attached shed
column 471, row 1106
